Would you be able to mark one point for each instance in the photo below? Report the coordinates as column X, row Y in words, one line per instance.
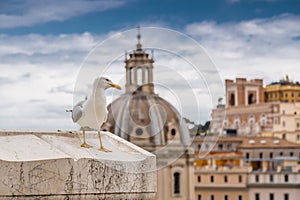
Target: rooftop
column 251, row 142
column 266, row 142
column 220, row 155
column 285, row 81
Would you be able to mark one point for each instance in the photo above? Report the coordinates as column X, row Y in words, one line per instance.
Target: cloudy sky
column 44, row 46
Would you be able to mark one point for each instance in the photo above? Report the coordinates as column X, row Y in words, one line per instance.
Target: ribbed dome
column 146, row 119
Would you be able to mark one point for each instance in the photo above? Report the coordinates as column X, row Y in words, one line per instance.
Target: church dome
column 140, row 115
column 146, row 120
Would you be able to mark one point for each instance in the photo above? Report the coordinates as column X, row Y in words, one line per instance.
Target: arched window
column 232, row 100
column 263, row 120
column 176, row 177
column 225, row 123
column 130, row 75
column 149, row 75
column 286, row 178
column 251, row 120
column 236, row 121
column 250, row 99
column 139, row 76
column 173, row 132
column 146, row 80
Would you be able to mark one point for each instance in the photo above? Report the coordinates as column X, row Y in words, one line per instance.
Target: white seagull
column 92, row 112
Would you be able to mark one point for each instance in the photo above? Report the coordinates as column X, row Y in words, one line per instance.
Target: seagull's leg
column 101, row 145
column 84, row 144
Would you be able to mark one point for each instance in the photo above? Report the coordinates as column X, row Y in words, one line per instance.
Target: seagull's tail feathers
column 69, row 110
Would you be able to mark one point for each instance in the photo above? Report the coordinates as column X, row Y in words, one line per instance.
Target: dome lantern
column 139, row 69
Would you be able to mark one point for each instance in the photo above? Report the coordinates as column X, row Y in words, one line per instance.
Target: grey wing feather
column 77, row 111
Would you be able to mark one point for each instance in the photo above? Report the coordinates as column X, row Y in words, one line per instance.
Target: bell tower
column 139, row 69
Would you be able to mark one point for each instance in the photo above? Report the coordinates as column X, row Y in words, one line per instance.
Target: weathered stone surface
column 54, row 166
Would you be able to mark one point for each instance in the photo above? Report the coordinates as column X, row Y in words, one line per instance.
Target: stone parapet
column 52, row 165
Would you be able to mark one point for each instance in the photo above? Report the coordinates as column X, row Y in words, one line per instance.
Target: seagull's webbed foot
column 104, row 149
column 101, row 145
column 85, row 145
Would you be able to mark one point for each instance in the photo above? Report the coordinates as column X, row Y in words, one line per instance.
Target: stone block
column 52, row 165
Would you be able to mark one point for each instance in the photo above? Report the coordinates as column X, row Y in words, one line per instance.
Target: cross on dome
column 139, row 46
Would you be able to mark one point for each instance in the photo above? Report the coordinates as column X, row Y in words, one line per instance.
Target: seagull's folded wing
column 77, row 112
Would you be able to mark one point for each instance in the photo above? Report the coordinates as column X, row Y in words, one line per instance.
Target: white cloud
column 37, row 75
column 27, row 13
column 258, row 48
column 38, row 72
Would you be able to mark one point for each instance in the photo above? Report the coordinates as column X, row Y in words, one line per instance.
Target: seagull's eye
column 107, row 79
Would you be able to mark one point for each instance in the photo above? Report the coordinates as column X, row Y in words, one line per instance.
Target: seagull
column 92, row 112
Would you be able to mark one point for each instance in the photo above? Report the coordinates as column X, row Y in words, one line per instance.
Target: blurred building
column 244, row 110
column 220, row 175
column 144, row 118
column 254, row 168
column 283, row 91
column 244, row 92
column 247, row 112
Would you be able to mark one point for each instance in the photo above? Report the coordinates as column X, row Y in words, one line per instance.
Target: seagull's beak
column 113, row 85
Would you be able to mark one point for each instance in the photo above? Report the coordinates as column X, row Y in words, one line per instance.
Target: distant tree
column 199, row 130
column 203, row 128
column 206, row 126
column 220, row 99
column 188, row 121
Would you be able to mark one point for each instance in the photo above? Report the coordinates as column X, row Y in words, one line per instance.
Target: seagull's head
column 105, row 83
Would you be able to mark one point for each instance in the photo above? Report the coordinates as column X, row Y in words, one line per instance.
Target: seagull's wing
column 77, row 111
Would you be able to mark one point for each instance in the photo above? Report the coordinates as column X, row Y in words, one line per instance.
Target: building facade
column 283, row 91
column 247, row 112
column 254, row 168
column 220, row 175
column 244, row 92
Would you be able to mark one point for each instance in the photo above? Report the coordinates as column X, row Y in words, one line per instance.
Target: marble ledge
column 52, row 165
